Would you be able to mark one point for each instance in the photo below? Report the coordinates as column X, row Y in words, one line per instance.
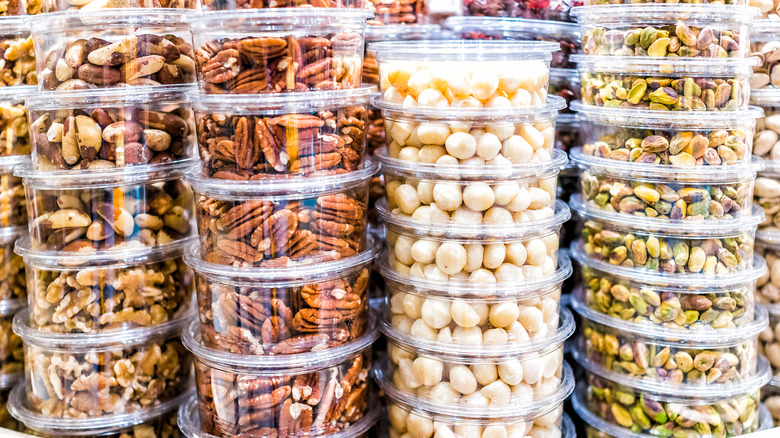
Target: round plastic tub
column 277, row 51
column 466, row 371
column 398, row 12
column 92, row 210
column 667, row 192
column 154, row 422
column 226, row 5
column 556, row 10
column 768, row 247
column 308, row 134
column 111, row 48
column 282, row 222
column 393, row 32
column 700, row 139
column 73, row 293
column 86, row 6
column 94, row 375
column 107, row 128
column 565, row 83
column 18, row 57
column 465, row 74
column 766, row 194
column 669, row 85
column 769, row 340
column 709, row 359
column 659, row 31
column 316, row 393
column 13, row 208
column 14, row 124
column 685, row 250
column 666, row 413
column 767, row 129
column 11, row 351
column 764, row 46
column 647, row 298
column 281, row 311
column 12, row 273
column 490, row 28
column 473, row 254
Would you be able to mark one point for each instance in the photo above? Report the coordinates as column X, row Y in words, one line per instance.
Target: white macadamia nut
column 461, row 145
column 424, row 251
column 467, row 335
column 406, row 198
column 436, row 313
column 451, row 257
column 448, row 196
column 495, row 254
column 485, row 373
column 462, row 379
column 420, row 329
column 428, row 371
column 478, row 196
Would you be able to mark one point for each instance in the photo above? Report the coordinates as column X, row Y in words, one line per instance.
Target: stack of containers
column 282, row 344
column 111, row 133
column 472, row 271
column 670, row 326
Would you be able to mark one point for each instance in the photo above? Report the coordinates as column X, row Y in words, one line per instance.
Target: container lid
column 272, row 365
column 764, row 30
column 464, row 115
column 138, row 95
column 9, row 235
column 17, row 92
column 295, row 275
column 768, row 238
column 101, row 178
column 10, row 307
column 567, row 120
column 11, row 24
column 280, row 187
column 476, row 291
column 82, row 343
column 129, row 18
column 558, row 75
column 280, row 19
column 10, row 163
column 649, row 14
column 771, row 169
column 470, row 232
column 628, row 65
column 88, row 426
column 669, row 120
column 114, row 258
column 522, row 27
column 765, row 97
column 464, row 50
column 8, row 381
column 282, row 102
column 402, row 32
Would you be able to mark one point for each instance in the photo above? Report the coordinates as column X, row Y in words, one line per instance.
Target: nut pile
column 765, row 47
column 557, row 10
column 390, row 12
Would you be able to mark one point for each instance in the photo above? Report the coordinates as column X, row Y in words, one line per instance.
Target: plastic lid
column 88, row 426
column 649, row 14
column 471, row 232
column 476, row 115
column 101, row 178
column 645, row 65
column 280, row 187
column 273, row 365
column 121, row 97
column 764, row 30
column 522, row 27
column 771, row 169
column 82, row 343
column 476, row 291
column 10, row 307
column 9, row 164
column 670, row 120
column 133, row 19
column 768, row 238
column 12, row 24
column 403, row 32
column 559, row 75
column 280, row 19
column 9, row 235
column 463, row 414
column 765, row 97
column 8, row 381
column 568, row 121
column 673, row 227
column 464, row 50
column 291, row 276
column 17, row 93
column 281, row 102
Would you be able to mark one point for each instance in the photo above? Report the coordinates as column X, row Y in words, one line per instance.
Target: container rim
column 548, row 111
column 639, row 118
column 279, row 19
column 598, row 14
column 376, row 33
column 239, row 103
column 9, row 164
column 144, row 94
column 67, row 21
column 473, row 50
column 768, row 238
column 518, row 25
column 626, row 65
column 18, row 92
column 96, row 179
column 765, row 97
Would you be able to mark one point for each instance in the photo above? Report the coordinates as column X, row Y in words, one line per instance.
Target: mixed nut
column 6, row 420
column 14, row 134
column 399, row 11
column 17, row 66
column 544, row 10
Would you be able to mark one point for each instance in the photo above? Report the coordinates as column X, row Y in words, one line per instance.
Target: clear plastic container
column 110, row 48
column 90, row 210
column 86, row 6
column 282, row 222
column 770, row 339
column 649, row 299
column 12, row 273
column 395, row 12
column 765, row 46
column 565, row 83
column 14, row 123
column 103, row 129
column 11, row 350
column 557, row 10
column 277, row 51
column 473, row 254
column 94, row 375
column 281, row 311
column 319, row 133
column 766, row 193
column 669, row 85
column 467, row 371
column 659, row 31
column 154, row 422
column 71, row 293
column 491, row 28
column 465, row 195
column 700, row 139
column 660, row 357
column 667, row 192
column 568, row 135
column 16, row 44
column 767, row 129
column 768, row 286
column 224, row 5
column 690, row 250
column 465, row 74
column 316, row 393
column 13, row 203
column 393, row 32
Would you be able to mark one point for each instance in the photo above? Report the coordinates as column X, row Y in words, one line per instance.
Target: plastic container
column 568, row 135
column 249, row 52
column 94, row 375
column 281, row 311
column 770, row 396
column 767, row 195
column 92, row 209
column 671, row 85
column 18, row 58
column 393, row 32
column 767, row 129
column 768, row 286
column 86, row 6
column 649, row 299
column 106, row 292
column 111, row 48
column 282, row 222
column 764, row 46
column 395, row 12
column 12, row 273
column 565, row 83
column 769, row 345
column 465, row 74
column 658, row 31
column 557, row 10
column 154, row 422
column 102, row 129
column 224, row 5
column 13, row 205
column 315, row 393
column 473, row 254
column 667, row 192
column 14, row 124
column 319, row 133
column 691, row 250
column 491, row 28
column 11, row 351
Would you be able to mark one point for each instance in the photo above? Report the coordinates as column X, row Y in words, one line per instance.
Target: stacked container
column 670, row 326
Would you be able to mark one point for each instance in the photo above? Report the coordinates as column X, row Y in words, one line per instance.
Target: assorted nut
column 391, row 12
column 327, row 139
column 14, row 134
column 18, row 60
column 767, row 134
column 768, row 285
column 96, row 5
column 765, row 46
column 545, row 10
column 113, row 130
column 769, row 340
column 644, row 412
column 568, row 135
